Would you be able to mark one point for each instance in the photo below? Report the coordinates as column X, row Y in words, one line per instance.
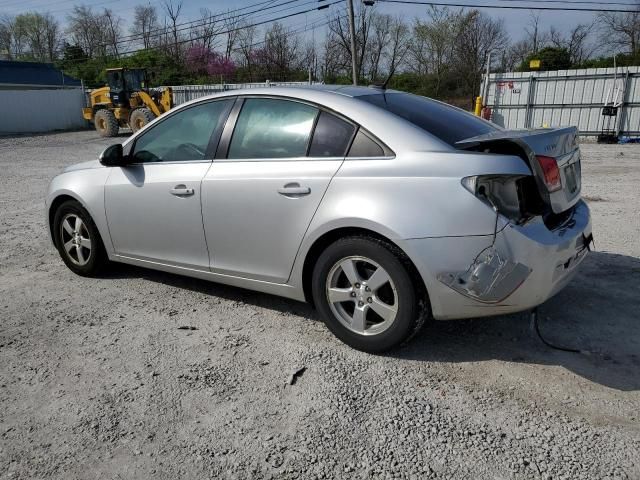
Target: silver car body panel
column 261, row 237
column 138, row 204
column 238, row 229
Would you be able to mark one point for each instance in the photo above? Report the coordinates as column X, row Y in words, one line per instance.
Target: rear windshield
column 445, row 122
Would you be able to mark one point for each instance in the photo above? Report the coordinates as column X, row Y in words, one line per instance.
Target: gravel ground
column 97, row 380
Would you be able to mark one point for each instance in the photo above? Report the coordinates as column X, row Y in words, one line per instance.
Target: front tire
column 139, row 118
column 77, row 239
column 364, row 291
column 106, row 123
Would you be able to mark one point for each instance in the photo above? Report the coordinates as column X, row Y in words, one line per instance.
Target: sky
column 515, row 20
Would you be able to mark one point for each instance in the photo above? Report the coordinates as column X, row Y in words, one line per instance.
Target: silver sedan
column 381, row 208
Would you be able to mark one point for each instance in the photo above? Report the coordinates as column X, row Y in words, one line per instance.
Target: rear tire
column 106, row 123
column 139, row 118
column 364, row 290
column 78, row 240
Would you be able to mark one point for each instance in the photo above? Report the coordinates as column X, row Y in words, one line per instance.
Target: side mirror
column 113, row 156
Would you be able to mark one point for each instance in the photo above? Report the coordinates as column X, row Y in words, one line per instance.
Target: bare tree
column 380, row 37
column 621, row 31
column 575, row 42
column 515, row 55
column 433, row 41
column 173, row 15
column 340, row 39
column 145, row 24
column 206, row 30
column 281, row 52
column 113, row 30
column 246, row 48
column 537, row 39
column 87, row 30
column 478, row 34
column 231, row 25
column 398, row 46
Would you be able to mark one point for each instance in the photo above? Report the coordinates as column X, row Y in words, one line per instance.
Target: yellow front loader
column 126, row 101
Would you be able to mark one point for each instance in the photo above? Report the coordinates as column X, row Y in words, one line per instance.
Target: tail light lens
column 551, row 172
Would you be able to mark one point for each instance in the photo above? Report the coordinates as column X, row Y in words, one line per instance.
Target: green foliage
column 621, row 60
column 551, row 58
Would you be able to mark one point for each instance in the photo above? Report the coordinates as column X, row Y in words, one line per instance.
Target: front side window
column 183, row 136
column 272, row 128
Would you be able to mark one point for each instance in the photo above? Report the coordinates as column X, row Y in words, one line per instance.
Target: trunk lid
column 541, row 147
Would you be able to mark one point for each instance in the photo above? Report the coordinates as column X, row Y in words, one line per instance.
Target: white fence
column 184, row 93
column 33, row 111
column 567, row 97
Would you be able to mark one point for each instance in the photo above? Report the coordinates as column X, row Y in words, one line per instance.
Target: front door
column 153, row 205
column 258, row 201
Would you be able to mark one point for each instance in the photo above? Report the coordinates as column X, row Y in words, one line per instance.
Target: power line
column 509, row 7
column 573, row 1
column 290, row 15
column 242, row 27
column 209, row 21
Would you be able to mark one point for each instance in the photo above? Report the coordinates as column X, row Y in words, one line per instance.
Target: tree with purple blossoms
column 201, row 60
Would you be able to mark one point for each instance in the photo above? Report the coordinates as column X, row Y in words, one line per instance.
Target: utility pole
column 352, row 34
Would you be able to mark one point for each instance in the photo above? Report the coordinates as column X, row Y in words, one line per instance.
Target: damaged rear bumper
column 472, row 276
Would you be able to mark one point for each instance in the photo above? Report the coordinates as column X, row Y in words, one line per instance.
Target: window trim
column 214, row 138
column 230, row 126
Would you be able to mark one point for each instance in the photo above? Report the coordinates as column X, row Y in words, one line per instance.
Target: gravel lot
column 97, row 380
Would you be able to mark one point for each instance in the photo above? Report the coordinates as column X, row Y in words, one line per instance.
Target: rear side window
column 272, row 128
column 445, row 122
column 331, row 136
column 364, row 146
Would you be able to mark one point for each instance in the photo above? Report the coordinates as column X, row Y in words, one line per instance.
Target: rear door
column 153, row 205
column 260, row 196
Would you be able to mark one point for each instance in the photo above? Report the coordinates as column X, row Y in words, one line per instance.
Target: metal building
column 568, row 97
column 37, row 97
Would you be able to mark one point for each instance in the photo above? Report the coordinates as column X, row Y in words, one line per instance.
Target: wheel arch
column 327, row 238
column 53, row 208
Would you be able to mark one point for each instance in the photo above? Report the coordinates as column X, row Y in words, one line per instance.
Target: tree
column 551, row 58
column 231, row 25
column 206, row 30
column 87, row 30
column 398, row 46
column 204, row 61
column 433, row 41
column 478, row 34
column 535, row 38
column 173, row 13
column 113, row 30
column 279, row 58
column 621, row 30
column 246, row 47
column 32, row 36
column 145, row 24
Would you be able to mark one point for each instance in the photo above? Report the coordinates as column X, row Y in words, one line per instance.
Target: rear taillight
column 497, row 191
column 551, row 172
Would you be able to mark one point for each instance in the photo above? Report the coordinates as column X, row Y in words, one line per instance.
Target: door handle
column 294, row 190
column 181, row 191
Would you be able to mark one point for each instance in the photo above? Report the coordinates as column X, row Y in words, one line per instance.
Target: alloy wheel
column 76, row 240
column 362, row 295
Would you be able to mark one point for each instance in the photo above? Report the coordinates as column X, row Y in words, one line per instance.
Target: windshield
column 449, row 124
column 135, row 80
